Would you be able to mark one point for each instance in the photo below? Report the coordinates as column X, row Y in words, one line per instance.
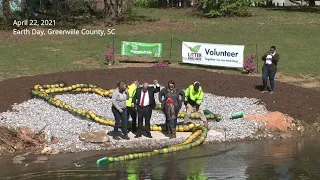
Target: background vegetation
column 294, row 30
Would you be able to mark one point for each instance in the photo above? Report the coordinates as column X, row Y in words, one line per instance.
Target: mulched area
column 300, row 103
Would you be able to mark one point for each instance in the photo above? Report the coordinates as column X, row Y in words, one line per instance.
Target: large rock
column 94, row 137
column 46, row 150
column 274, row 120
column 42, row 158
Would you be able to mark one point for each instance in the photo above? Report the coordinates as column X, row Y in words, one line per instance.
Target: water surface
column 277, row 159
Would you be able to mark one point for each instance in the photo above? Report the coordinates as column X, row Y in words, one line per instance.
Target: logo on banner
column 134, row 47
column 194, row 53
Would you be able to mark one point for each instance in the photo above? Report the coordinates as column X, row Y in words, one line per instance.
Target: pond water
column 274, row 159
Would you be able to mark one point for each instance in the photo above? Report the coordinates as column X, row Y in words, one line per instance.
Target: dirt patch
column 311, row 85
column 306, row 81
column 5, row 34
column 51, row 49
column 275, row 121
column 298, row 102
column 23, row 68
column 118, row 58
column 88, row 62
column 21, row 140
column 129, row 65
column 288, row 79
column 161, row 26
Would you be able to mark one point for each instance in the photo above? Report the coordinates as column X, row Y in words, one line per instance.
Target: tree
column 6, row 10
column 115, row 9
column 312, row 3
column 227, row 8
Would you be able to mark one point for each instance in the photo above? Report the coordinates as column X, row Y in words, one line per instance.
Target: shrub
column 226, row 8
column 146, row 3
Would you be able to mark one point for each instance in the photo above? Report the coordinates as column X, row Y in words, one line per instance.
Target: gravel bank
column 36, row 113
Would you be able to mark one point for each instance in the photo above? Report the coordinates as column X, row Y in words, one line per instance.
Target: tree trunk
column 174, row 3
column 312, row 3
column 187, row 3
column 119, row 11
column 109, row 12
column 6, row 10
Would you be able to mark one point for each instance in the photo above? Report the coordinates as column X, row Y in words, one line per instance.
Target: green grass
column 296, row 35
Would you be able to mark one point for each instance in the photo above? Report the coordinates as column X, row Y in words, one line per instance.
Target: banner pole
column 170, row 49
column 257, row 58
column 113, row 48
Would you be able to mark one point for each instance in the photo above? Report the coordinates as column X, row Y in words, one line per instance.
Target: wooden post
column 113, row 61
column 257, row 58
column 170, row 49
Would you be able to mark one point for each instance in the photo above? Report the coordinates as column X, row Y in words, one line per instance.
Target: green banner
column 141, row 49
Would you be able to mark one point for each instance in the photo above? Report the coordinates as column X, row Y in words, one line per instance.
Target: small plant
column 162, row 64
column 249, row 66
column 109, row 56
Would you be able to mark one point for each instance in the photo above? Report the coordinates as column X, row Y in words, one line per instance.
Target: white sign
column 212, row 54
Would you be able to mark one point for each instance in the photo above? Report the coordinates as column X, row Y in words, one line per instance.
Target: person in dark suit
column 144, row 101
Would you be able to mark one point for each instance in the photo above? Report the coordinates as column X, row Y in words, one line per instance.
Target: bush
column 146, row 3
column 226, row 8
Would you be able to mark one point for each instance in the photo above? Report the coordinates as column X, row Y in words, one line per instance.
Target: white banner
column 213, row 54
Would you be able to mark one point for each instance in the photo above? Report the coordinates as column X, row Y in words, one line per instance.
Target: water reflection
column 285, row 159
column 290, row 159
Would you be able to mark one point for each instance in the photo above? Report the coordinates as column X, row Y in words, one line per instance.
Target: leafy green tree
column 226, row 8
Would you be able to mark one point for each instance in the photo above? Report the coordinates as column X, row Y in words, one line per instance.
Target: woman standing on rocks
column 171, row 91
column 119, row 109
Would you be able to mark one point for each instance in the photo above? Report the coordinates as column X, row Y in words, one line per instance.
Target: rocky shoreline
column 61, row 132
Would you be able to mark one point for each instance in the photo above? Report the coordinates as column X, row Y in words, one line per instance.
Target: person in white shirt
column 269, row 69
column 144, row 101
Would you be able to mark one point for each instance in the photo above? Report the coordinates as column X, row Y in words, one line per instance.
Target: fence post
column 170, row 49
column 257, row 58
column 113, row 49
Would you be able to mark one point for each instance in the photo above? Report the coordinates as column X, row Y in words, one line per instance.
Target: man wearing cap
column 192, row 101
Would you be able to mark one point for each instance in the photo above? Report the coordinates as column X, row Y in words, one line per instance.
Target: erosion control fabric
column 47, row 92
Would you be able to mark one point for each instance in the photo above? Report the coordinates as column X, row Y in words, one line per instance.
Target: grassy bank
column 296, row 35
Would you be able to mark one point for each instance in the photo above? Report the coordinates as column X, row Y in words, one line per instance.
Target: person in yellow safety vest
column 131, row 109
column 193, row 99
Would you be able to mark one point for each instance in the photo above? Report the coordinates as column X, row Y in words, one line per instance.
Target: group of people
column 138, row 102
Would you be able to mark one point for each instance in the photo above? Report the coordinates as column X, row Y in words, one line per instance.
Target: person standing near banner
column 269, row 69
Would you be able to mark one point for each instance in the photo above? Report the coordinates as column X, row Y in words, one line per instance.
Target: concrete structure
column 289, row 3
column 159, row 140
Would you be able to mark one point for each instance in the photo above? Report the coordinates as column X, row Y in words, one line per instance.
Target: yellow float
column 47, row 92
